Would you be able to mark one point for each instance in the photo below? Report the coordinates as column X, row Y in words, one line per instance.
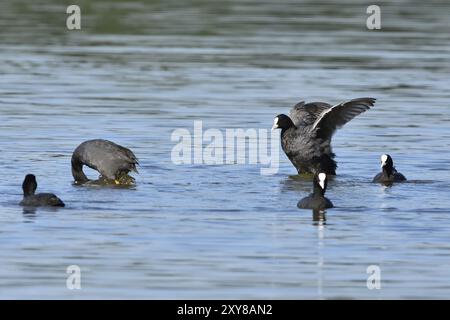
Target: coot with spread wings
column 306, row 133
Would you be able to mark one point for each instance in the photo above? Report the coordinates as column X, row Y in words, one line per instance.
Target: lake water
column 138, row 70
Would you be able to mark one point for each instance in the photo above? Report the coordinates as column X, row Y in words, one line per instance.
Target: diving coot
column 112, row 161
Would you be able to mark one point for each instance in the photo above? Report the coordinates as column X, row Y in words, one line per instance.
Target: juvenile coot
column 317, row 200
column 306, row 133
column 388, row 174
column 112, row 161
column 30, row 199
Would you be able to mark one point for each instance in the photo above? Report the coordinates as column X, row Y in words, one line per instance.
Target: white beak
column 384, row 158
column 275, row 124
column 322, row 184
column 322, row 177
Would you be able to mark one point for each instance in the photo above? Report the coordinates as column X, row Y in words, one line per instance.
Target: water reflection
column 319, row 217
column 319, row 221
column 32, row 211
column 29, row 211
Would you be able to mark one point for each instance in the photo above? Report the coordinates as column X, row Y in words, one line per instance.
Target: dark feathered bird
column 112, row 161
column 317, row 200
column 388, row 172
column 30, row 199
column 306, row 133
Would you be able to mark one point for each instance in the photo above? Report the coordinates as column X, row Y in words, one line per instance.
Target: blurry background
column 140, row 69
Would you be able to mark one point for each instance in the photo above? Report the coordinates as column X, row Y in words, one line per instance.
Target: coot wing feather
column 306, row 114
column 338, row 115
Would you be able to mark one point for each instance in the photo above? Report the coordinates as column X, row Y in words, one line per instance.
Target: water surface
column 140, row 69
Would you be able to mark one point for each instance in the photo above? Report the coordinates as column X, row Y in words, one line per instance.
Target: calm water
column 138, row 70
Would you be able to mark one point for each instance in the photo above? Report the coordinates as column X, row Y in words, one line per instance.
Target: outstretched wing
column 306, row 114
column 338, row 115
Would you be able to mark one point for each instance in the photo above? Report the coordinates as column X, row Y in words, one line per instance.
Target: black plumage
column 388, row 172
column 30, row 199
column 306, row 133
column 317, row 199
column 111, row 160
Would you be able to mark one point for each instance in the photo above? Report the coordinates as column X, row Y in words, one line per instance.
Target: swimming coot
column 112, row 161
column 30, row 199
column 388, row 174
column 317, row 200
column 306, row 133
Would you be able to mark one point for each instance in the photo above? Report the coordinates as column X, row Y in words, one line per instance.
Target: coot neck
column 388, row 170
column 318, row 191
column 29, row 189
column 290, row 126
column 77, row 171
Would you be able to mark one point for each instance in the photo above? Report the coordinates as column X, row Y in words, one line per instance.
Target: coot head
column 282, row 122
column 320, row 183
column 387, row 164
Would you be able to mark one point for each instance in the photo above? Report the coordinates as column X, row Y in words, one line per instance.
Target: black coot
column 30, row 199
column 112, row 161
column 306, row 133
column 388, row 174
column 317, row 199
